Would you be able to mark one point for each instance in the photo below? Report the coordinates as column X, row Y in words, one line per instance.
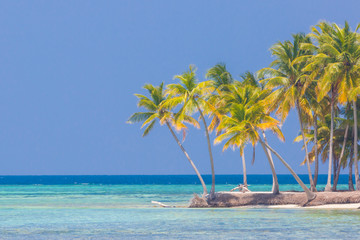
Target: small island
column 317, row 74
column 291, row 199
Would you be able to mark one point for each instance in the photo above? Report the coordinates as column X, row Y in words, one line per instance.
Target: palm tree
column 192, row 96
column 342, row 143
column 337, row 66
column 319, row 110
column 220, row 79
column 357, row 179
column 341, row 133
column 251, row 80
column 289, row 83
column 219, row 76
column 243, row 96
column 355, row 102
column 354, row 130
column 350, row 182
column 155, row 111
column 244, row 124
column 347, row 150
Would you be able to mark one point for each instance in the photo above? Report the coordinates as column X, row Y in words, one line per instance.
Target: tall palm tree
column 341, row 134
column 191, row 95
column 354, row 133
column 350, row 181
column 355, row 102
column 154, row 112
column 319, row 110
column 342, row 143
column 289, row 83
column 357, row 179
column 340, row 158
column 337, row 66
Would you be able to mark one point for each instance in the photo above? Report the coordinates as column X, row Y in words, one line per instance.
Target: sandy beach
column 293, row 206
column 290, row 199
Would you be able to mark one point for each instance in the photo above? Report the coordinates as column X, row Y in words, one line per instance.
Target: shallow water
column 124, row 211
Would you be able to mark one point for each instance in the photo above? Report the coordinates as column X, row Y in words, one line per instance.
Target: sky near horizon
column 69, row 69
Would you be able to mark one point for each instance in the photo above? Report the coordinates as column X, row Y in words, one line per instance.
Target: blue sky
column 68, row 71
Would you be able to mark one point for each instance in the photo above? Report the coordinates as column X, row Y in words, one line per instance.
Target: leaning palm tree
column 336, row 64
column 154, row 112
column 289, row 82
column 191, row 95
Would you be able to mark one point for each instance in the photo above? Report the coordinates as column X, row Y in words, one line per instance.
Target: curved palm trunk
column 337, row 174
column 316, row 173
column 212, row 191
column 357, row 181
column 244, row 169
column 310, row 195
column 351, row 183
column 328, row 184
column 187, row 156
column 275, row 187
column 313, row 188
column 335, row 167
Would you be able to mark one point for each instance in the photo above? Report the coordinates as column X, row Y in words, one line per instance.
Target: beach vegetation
column 156, row 111
column 316, row 74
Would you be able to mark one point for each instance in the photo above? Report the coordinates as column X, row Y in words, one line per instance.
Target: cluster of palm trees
column 317, row 74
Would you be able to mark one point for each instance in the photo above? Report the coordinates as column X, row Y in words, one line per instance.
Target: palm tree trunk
column 313, row 188
column 187, row 156
column 357, row 181
column 310, row 195
column 335, row 167
column 275, row 187
column 212, row 191
column 351, row 183
column 316, row 173
column 336, row 176
column 328, row 184
column 244, row 168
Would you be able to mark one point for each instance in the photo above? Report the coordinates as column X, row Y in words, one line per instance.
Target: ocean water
column 119, row 207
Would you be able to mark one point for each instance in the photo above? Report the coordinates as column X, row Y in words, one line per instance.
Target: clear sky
column 68, row 71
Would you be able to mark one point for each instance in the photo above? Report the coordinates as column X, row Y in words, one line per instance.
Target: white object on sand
column 161, row 204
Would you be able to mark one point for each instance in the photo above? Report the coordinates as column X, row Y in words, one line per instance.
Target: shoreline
column 346, row 206
column 290, row 199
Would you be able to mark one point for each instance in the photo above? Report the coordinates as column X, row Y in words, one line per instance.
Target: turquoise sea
column 119, row 207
